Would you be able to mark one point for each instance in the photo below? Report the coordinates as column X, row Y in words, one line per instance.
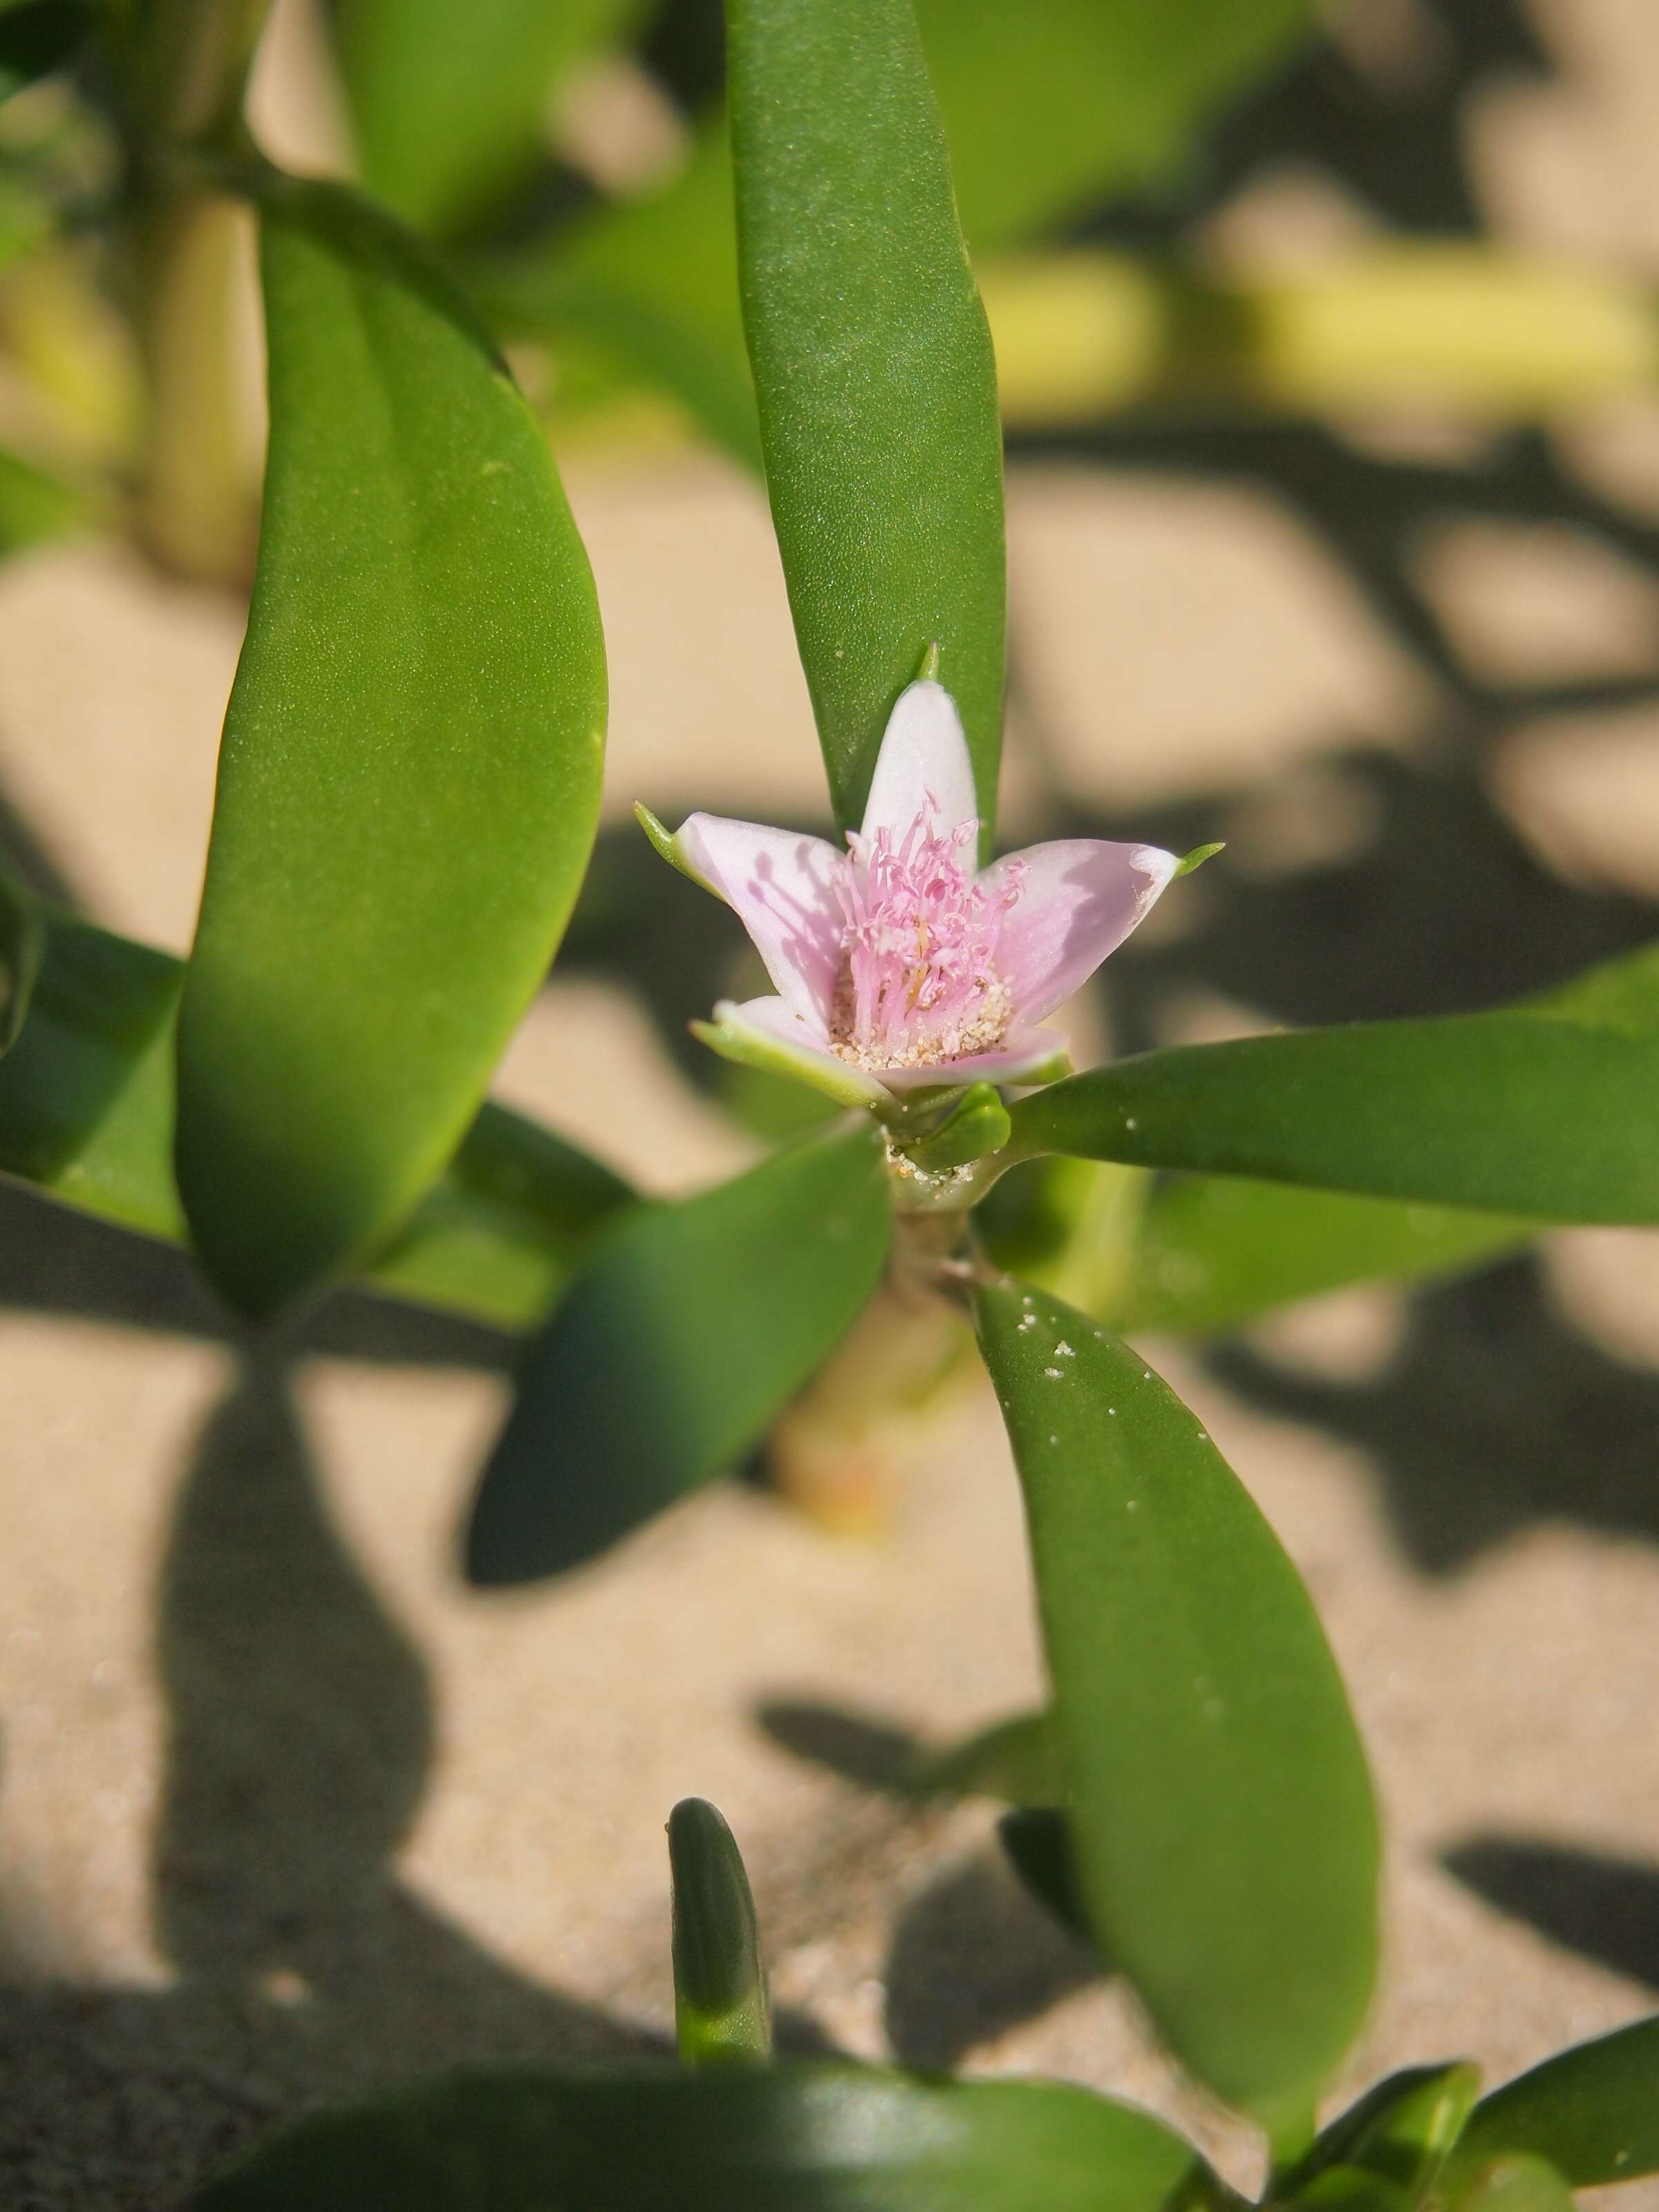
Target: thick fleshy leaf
column 1518, row 2183
column 1545, row 1108
column 87, row 1110
column 815, row 2138
column 1402, row 2132
column 1211, row 1252
column 1015, row 1758
column 408, row 784
column 449, row 101
column 872, row 372
column 1220, row 1807
column 1592, row 2111
column 721, row 2012
column 692, row 1326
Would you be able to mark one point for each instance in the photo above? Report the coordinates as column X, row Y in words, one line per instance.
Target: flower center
column 918, row 980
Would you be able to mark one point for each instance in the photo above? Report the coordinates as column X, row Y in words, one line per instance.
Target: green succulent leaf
column 825, row 2137
column 22, row 945
column 721, row 2012
column 873, row 373
column 86, row 1111
column 687, row 1333
column 448, row 101
column 976, row 1126
column 1518, row 2182
column 1213, row 1252
column 1402, row 2132
column 1542, row 1109
column 1219, row 1806
column 1592, row 2112
column 408, row 784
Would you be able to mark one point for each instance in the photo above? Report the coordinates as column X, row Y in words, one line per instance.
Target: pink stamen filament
column 920, row 941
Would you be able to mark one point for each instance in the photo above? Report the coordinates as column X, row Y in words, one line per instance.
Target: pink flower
column 899, row 966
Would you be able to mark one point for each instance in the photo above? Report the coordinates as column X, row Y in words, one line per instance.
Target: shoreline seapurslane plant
column 902, row 971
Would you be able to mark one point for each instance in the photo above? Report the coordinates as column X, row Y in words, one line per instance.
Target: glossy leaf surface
column 448, row 101
column 1543, row 1108
column 1592, row 2111
column 873, row 373
column 722, row 2014
column 87, row 1109
column 1211, row 1252
column 816, row 2138
column 409, row 783
column 1402, row 2131
column 1220, row 1807
column 689, row 1330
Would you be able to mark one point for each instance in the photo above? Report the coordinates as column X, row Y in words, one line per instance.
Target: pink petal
column 803, row 1042
column 782, row 887
column 1025, row 1052
column 1079, row 899
column 924, row 753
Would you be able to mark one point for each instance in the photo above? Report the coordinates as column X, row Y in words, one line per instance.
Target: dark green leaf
column 674, row 1349
column 1402, row 2132
column 809, row 2138
column 722, row 2014
column 39, row 36
column 1544, row 1109
column 1220, row 1807
column 449, row 100
column 975, row 1127
column 85, row 1114
column 1593, row 2111
column 873, row 373
column 1038, row 1843
column 1214, row 1251
column 409, row 784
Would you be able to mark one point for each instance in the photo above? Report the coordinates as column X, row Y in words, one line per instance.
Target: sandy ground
column 285, row 1812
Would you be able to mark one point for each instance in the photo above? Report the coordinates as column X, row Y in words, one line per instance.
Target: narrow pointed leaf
column 815, row 2138
column 1592, row 2111
column 86, row 1111
column 688, row 1332
column 1211, row 1252
column 873, row 373
column 1219, row 1805
column 449, row 101
column 408, row 784
column 721, row 2012
column 1544, row 1109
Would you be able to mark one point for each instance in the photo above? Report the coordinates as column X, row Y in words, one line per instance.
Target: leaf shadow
column 1493, row 1415
column 304, row 1971
column 1606, row 1908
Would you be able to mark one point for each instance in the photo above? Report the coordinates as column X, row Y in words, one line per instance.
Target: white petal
column 1079, row 899
column 782, row 887
column 924, row 752
column 765, row 1033
column 1027, row 1056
